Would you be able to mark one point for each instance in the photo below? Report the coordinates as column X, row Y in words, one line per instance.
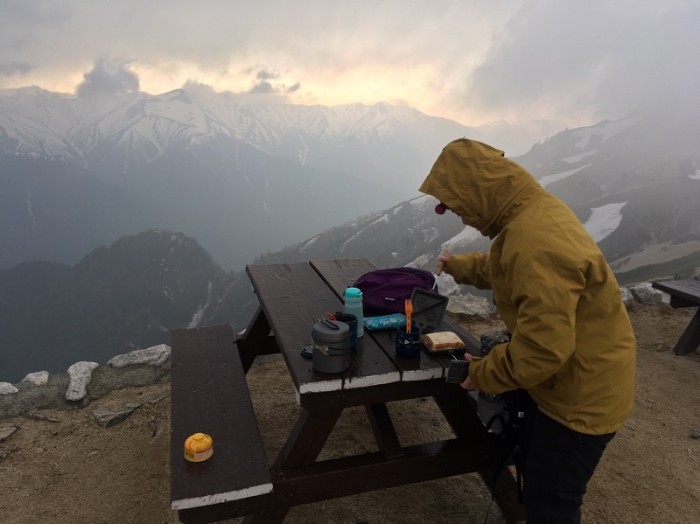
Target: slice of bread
column 442, row 341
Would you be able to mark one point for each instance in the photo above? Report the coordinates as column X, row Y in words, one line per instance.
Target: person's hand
column 468, row 385
column 442, row 261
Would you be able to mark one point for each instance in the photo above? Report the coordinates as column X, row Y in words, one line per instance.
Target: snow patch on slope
column 463, row 238
column 696, row 176
column 580, row 156
column 549, row 179
column 604, row 220
column 605, row 131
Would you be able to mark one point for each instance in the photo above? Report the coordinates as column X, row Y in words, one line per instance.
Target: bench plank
column 209, row 394
column 684, row 293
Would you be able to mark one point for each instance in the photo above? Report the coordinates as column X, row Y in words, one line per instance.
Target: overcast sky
column 535, row 63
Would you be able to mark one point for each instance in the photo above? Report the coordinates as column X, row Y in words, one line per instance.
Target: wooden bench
column 209, row 394
column 684, row 293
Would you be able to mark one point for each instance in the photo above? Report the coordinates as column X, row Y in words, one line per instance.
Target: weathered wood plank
column 684, row 293
column 690, row 339
column 339, row 274
column 256, row 340
column 384, row 431
column 349, row 475
column 687, row 290
column 295, row 297
column 209, row 394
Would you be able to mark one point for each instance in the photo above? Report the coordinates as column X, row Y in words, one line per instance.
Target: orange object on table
column 408, row 306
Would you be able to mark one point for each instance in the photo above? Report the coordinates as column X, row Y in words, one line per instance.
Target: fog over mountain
column 121, row 217
column 634, row 183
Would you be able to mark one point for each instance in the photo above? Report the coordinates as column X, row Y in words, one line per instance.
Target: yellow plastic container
column 199, row 447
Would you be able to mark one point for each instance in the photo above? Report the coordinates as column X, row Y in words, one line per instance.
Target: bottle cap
column 353, row 292
column 199, row 447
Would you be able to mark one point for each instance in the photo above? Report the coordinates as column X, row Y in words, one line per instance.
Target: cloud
column 13, row 68
column 570, row 63
column 596, row 59
column 108, row 77
column 262, row 88
column 266, row 75
column 269, row 82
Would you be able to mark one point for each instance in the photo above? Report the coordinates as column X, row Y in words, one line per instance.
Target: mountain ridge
column 200, row 160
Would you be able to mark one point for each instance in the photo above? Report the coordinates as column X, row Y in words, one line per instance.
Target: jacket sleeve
column 545, row 294
column 471, row 268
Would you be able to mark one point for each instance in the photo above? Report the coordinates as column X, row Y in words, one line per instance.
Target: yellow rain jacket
column 573, row 348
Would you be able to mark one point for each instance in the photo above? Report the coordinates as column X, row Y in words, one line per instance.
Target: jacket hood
column 478, row 183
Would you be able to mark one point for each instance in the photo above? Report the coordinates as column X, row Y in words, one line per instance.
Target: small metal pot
column 332, row 346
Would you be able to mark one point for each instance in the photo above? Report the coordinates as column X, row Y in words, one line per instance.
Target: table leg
column 306, row 439
column 460, row 412
column 384, row 432
column 690, row 339
column 256, row 340
column 303, row 446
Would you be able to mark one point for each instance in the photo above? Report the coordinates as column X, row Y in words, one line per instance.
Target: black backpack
column 507, row 416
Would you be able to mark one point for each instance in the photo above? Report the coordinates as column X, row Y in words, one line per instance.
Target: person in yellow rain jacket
column 572, row 347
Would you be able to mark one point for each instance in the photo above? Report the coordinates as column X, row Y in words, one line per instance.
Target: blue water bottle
column 353, row 306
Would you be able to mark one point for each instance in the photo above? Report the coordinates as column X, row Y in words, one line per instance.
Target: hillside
column 71, row 470
column 118, row 298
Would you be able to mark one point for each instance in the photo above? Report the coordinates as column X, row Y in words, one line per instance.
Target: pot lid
column 330, row 331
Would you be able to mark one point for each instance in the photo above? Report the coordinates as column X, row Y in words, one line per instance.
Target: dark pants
column 556, row 464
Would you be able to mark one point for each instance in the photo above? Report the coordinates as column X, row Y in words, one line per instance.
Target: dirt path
column 77, row 472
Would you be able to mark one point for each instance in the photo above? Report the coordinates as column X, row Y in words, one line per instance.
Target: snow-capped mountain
column 241, row 178
column 144, row 127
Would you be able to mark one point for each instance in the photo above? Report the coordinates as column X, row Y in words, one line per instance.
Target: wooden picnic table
column 292, row 297
column 684, row 293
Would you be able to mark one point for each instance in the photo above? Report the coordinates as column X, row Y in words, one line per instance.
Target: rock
column 7, row 389
column 140, row 371
column 627, row 297
column 6, row 432
column 646, row 294
column 107, row 417
column 31, row 397
column 153, row 356
column 84, row 382
column 80, row 375
column 446, row 285
column 470, row 306
column 39, row 416
column 696, row 433
column 40, row 378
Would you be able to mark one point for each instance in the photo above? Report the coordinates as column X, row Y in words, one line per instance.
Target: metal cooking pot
column 332, row 346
